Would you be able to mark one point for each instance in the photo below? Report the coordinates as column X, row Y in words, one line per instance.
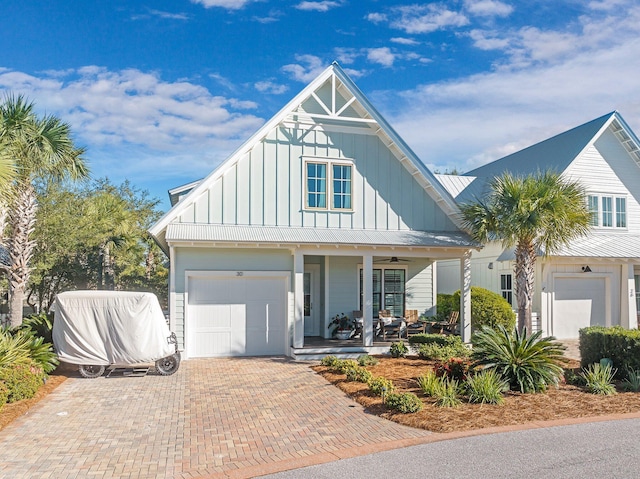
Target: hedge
column 439, row 339
column 488, row 309
column 620, row 345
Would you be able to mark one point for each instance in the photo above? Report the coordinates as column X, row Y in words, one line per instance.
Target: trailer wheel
column 169, row 365
column 91, row 371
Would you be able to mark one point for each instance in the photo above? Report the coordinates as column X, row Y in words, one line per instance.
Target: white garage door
column 578, row 303
column 236, row 316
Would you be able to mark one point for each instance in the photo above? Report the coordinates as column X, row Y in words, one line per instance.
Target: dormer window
column 607, row 211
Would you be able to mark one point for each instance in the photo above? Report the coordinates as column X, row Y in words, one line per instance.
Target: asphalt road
column 595, row 450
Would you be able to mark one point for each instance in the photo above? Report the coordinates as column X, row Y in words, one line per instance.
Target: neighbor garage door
column 578, row 303
column 236, row 316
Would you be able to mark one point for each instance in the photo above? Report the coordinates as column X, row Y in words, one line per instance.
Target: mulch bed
column 565, row 402
column 12, row 411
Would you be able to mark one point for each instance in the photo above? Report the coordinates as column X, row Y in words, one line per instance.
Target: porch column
column 465, row 297
column 628, row 303
column 298, row 301
column 367, row 300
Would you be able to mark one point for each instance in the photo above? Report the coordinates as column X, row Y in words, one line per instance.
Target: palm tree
column 538, row 214
column 41, row 148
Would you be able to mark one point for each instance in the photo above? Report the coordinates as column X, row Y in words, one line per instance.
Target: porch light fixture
column 586, row 269
column 490, row 265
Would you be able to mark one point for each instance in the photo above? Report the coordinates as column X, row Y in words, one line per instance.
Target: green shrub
column 439, row 339
column 398, row 350
column 366, row 360
column 343, row 365
column 447, row 395
column 527, row 363
column 619, row 344
column 380, row 385
column 403, row 402
column 41, row 325
column 13, row 348
column 598, row 379
column 571, row 377
column 488, row 309
column 40, row 352
column 22, row 380
column 430, row 383
column 485, row 387
column 4, row 394
column 329, row 361
column 442, row 353
column 359, row 374
column 632, row 383
column 445, row 303
column 453, row 368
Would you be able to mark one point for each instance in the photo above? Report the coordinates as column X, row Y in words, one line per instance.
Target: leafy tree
column 537, row 214
column 41, row 147
column 82, row 243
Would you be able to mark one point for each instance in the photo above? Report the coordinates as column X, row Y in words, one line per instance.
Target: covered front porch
column 349, row 280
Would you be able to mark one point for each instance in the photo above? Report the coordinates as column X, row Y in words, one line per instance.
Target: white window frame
column 596, row 204
column 330, row 163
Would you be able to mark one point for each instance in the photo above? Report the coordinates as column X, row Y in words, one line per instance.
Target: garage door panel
column 578, row 303
column 236, row 316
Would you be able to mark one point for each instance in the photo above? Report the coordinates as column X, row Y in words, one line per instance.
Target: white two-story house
column 594, row 280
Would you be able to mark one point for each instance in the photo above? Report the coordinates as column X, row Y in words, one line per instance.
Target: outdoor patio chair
column 390, row 325
column 449, row 326
column 414, row 325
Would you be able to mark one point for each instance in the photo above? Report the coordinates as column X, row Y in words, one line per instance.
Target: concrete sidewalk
column 213, row 418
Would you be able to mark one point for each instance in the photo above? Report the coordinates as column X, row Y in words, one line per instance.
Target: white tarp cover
column 110, row 327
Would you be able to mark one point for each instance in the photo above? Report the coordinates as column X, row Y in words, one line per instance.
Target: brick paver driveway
column 214, row 417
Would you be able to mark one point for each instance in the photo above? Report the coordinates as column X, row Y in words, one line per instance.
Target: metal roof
column 601, row 245
column 196, row 232
column 596, row 245
column 555, row 153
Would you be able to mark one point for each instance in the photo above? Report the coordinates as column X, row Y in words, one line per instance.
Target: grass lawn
column 565, row 402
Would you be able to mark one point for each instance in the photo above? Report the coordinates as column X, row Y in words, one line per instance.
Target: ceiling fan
column 393, row 259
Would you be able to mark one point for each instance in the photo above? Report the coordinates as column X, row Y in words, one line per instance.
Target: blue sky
column 160, row 92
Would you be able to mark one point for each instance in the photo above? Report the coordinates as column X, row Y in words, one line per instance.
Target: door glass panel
column 377, row 291
column 307, row 294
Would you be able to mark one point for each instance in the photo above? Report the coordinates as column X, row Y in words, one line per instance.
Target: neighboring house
column 595, row 280
column 325, row 210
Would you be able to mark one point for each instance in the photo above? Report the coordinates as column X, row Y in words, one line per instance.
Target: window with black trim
column 389, row 291
column 506, row 288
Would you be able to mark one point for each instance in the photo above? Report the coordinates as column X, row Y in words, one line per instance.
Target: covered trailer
column 96, row 329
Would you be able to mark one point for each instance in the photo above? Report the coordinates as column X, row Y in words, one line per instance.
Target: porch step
column 342, row 352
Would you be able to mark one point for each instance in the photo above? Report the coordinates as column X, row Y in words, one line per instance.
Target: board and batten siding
column 265, row 187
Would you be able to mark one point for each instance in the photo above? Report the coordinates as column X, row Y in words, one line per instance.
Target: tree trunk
column 22, row 219
column 525, row 270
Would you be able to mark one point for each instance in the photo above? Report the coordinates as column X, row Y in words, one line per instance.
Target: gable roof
column 355, row 113
column 555, row 153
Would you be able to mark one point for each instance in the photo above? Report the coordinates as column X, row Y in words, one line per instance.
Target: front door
column 311, row 300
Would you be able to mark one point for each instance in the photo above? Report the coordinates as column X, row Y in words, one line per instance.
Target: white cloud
column 488, row 8
column 383, row 56
column 405, row 41
column 269, row 86
column 376, row 17
column 550, row 81
column 228, row 4
column 319, row 6
column 427, row 18
column 307, row 68
column 132, row 112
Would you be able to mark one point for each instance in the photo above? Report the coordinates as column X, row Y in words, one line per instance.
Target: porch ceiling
column 198, row 232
